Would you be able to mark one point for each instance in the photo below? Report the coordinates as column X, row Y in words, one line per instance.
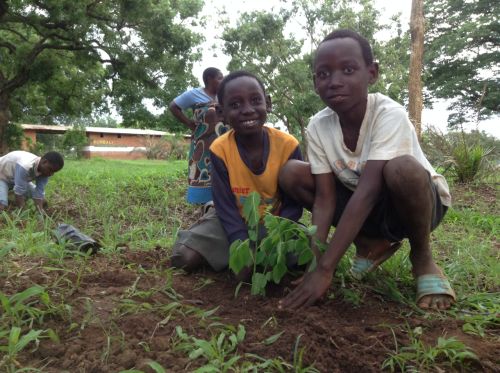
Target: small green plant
column 420, row 357
column 220, row 352
column 15, row 344
column 20, row 308
column 268, row 257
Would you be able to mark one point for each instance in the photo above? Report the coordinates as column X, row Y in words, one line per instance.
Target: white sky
column 436, row 116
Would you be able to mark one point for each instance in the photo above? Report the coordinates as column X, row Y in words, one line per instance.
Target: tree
column 62, row 58
column 415, row 103
column 259, row 44
column 462, row 61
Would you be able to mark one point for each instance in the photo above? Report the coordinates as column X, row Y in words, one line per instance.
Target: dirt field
column 123, row 311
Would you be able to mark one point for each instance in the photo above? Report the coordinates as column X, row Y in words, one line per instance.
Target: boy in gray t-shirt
column 27, row 174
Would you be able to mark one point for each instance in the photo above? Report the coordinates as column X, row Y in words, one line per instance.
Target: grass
column 139, row 206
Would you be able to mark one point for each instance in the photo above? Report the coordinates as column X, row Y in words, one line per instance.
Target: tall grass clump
column 465, row 157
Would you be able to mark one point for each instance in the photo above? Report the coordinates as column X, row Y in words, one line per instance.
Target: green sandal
column 433, row 284
column 361, row 266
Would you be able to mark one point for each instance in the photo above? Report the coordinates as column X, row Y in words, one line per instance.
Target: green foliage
column 15, row 344
column 418, row 356
column 172, row 147
column 268, row 257
column 21, row 308
column 461, row 59
column 74, row 140
column 63, row 60
column 259, row 43
column 467, row 162
column 14, row 136
column 464, row 156
column 219, row 353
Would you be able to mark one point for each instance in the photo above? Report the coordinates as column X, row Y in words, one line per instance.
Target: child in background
column 246, row 159
column 205, row 127
column 367, row 176
column 27, row 174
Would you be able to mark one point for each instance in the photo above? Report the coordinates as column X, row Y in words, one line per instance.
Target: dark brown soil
column 102, row 334
column 117, row 319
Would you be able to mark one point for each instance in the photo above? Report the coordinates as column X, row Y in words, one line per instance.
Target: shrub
column 168, row 147
column 74, row 141
column 14, row 136
column 463, row 156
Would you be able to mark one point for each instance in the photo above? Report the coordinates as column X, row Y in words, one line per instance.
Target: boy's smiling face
column 341, row 75
column 245, row 106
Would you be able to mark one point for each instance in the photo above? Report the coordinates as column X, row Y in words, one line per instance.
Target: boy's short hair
column 54, row 158
column 210, row 73
column 366, row 48
column 232, row 76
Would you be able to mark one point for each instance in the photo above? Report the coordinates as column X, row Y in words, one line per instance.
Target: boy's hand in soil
column 312, row 287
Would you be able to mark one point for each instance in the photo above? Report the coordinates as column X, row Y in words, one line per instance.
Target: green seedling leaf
column 15, row 332
column 25, row 339
column 28, row 293
column 156, row 367
column 5, row 303
column 53, row 336
column 278, row 272
column 252, row 235
column 237, row 290
column 251, row 209
column 260, row 256
column 6, row 249
column 241, row 333
column 259, row 282
column 273, row 338
column 305, row 256
column 240, row 255
column 210, row 312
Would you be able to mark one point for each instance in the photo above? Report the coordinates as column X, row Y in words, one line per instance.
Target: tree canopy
column 463, row 57
column 63, row 59
column 262, row 43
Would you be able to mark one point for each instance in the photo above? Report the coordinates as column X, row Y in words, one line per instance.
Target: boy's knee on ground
column 185, row 258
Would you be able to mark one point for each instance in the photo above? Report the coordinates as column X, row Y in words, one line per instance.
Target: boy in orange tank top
column 246, row 159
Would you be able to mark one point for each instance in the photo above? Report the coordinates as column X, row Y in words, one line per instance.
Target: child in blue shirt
column 205, row 127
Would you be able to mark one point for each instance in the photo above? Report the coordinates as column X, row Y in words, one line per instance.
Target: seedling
column 420, row 357
column 15, row 344
column 268, row 257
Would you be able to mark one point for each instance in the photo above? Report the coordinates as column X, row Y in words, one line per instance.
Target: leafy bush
column 74, row 141
column 463, row 156
column 172, row 147
column 268, row 258
column 466, row 162
column 14, row 136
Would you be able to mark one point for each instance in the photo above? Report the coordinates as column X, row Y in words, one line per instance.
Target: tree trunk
column 4, row 121
column 416, row 61
column 305, row 145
